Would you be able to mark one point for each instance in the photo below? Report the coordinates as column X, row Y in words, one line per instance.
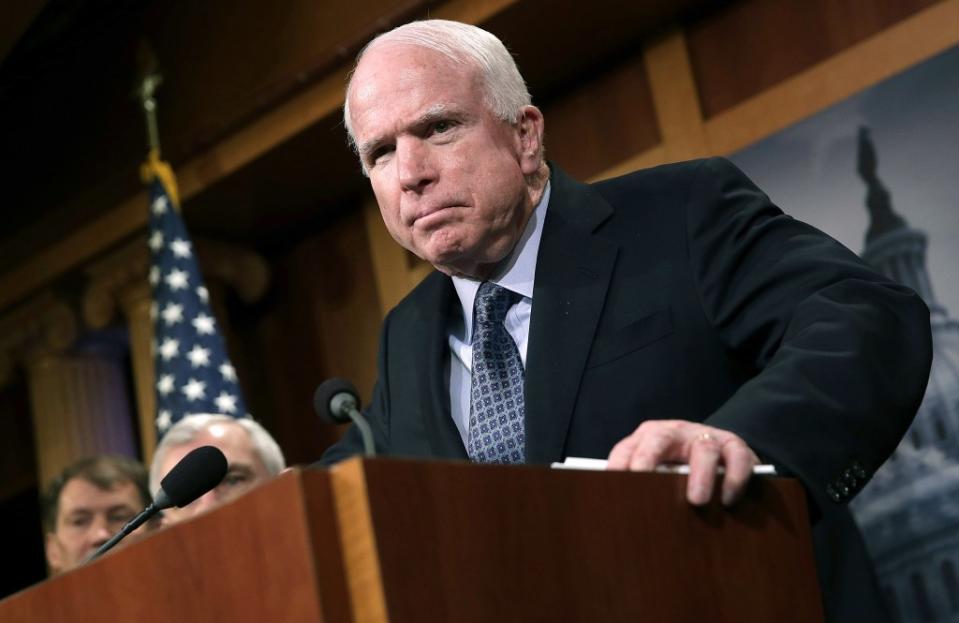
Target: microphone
column 337, row 402
column 196, row 473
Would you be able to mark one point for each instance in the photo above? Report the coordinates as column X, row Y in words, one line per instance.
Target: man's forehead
column 81, row 493
column 231, row 438
column 401, row 83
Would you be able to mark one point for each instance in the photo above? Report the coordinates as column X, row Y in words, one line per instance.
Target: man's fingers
column 621, row 453
column 651, row 444
column 653, row 448
column 739, row 461
column 705, row 452
column 704, row 448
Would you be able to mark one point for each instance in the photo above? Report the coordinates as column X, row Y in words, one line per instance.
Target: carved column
column 119, row 281
column 78, row 395
column 136, row 303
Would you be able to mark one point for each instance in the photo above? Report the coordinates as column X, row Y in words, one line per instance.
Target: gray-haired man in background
column 252, row 455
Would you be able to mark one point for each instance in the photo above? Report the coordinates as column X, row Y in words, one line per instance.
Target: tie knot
column 492, row 302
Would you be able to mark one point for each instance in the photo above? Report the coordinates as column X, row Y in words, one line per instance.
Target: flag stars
column 194, row 390
column 169, row 349
column 193, row 373
column 172, row 314
column 229, row 374
column 199, row 356
column 181, row 248
column 160, row 205
column 165, row 385
column 203, row 324
column 225, row 403
column 177, row 279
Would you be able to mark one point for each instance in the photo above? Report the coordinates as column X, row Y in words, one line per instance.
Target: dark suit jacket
column 683, row 292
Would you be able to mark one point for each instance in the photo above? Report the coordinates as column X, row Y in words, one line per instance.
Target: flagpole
column 146, row 90
column 150, row 80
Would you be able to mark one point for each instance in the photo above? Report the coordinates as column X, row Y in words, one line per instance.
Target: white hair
column 190, row 427
column 504, row 87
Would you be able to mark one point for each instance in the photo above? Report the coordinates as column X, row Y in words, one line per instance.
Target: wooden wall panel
column 261, row 52
column 321, row 319
column 750, row 46
column 603, row 121
column 861, row 66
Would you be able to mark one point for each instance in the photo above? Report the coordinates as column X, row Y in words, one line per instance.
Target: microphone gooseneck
column 196, row 473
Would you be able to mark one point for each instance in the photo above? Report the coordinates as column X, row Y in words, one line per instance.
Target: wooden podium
column 393, row 540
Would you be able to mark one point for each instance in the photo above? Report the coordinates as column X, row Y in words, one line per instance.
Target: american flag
column 193, row 372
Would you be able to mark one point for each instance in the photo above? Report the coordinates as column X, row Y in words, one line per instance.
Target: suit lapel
column 573, row 270
column 433, row 377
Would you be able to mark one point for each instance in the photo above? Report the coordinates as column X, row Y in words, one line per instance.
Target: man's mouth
column 426, row 217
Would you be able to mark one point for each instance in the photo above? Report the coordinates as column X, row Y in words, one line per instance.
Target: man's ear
column 529, row 130
column 53, row 552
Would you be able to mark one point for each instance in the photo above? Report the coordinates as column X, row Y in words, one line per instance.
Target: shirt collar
column 517, row 272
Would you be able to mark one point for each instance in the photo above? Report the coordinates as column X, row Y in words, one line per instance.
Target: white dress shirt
column 516, row 274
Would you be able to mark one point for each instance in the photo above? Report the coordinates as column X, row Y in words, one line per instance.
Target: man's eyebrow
column 434, row 113
column 430, row 115
column 121, row 507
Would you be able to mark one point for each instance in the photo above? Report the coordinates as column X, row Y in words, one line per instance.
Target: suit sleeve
column 841, row 353
column 377, row 413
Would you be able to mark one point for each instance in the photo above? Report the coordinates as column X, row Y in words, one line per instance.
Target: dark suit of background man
column 673, row 314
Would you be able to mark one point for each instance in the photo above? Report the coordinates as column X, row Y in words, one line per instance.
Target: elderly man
column 670, row 315
column 252, row 456
column 88, row 503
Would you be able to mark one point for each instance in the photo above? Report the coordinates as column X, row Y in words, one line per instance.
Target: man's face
column 245, row 468
column 450, row 178
column 87, row 516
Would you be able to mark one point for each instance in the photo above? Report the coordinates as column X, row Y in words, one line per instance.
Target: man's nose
column 100, row 532
column 206, row 501
column 414, row 166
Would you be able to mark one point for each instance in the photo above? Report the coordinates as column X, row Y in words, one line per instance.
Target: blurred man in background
column 251, row 452
column 87, row 503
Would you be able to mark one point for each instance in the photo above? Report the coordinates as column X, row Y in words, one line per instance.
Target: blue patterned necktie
column 497, row 432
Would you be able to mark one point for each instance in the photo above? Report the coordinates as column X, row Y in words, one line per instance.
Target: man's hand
column 703, row 447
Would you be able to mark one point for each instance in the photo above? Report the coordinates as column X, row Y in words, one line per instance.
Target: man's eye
column 235, row 479
column 442, row 126
column 78, row 522
column 120, row 517
column 380, row 152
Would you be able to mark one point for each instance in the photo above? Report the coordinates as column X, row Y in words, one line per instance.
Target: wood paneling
column 678, row 115
column 907, row 43
column 251, row 137
column 321, row 319
column 603, row 121
column 749, row 46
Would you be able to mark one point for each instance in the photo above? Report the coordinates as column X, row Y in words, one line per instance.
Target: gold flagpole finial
column 148, row 81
